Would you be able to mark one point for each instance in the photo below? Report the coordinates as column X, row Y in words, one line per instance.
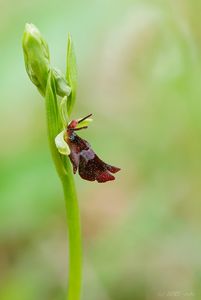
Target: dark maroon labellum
column 84, row 159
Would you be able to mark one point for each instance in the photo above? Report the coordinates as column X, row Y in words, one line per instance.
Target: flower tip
column 31, row 28
column 31, row 32
column 69, row 38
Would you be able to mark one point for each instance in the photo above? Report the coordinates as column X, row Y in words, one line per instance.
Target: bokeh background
column 140, row 76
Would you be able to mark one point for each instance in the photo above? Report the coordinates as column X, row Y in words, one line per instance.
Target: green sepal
column 61, row 144
column 71, row 75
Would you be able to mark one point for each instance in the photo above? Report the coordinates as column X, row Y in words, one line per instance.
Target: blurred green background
column 140, row 75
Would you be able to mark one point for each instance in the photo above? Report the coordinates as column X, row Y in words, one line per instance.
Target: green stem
column 74, row 236
column 64, row 171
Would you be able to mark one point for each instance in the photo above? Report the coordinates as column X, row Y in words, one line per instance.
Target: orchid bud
column 36, row 56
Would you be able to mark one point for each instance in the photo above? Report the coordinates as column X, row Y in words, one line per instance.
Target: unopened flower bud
column 36, row 56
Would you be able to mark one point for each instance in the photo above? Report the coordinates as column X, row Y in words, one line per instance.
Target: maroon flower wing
column 90, row 166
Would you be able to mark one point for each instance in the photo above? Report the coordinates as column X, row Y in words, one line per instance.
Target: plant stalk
column 53, row 86
column 74, row 236
column 64, row 170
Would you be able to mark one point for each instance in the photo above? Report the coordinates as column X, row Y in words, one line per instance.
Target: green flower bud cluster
column 37, row 62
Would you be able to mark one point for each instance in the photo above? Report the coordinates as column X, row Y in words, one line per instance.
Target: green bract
column 71, row 74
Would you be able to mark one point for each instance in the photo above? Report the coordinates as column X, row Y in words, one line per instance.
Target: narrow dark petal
column 81, row 120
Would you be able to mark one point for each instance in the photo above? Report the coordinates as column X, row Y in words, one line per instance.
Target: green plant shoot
column 59, row 94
